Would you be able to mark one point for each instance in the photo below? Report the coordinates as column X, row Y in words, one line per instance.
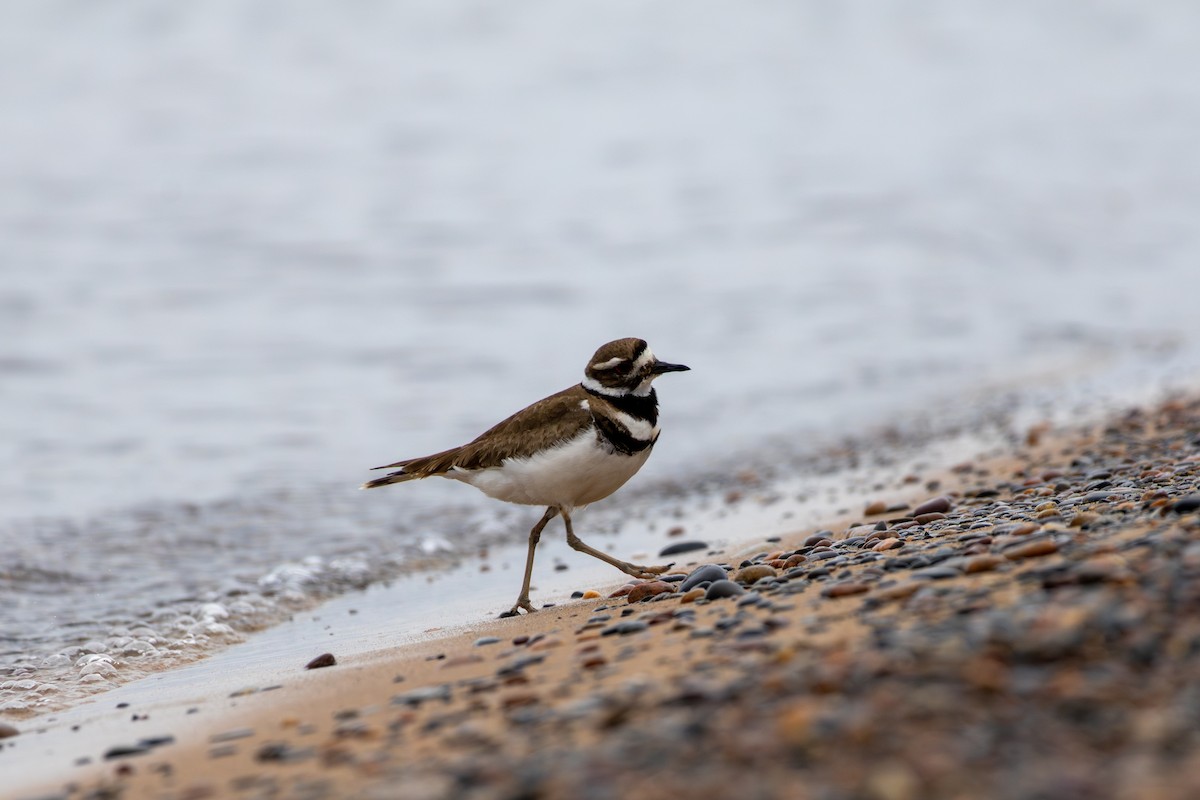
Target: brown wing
column 547, row 422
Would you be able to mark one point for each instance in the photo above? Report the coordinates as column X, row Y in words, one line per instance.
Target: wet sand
column 1017, row 626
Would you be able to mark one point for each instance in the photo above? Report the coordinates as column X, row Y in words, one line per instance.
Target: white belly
column 571, row 475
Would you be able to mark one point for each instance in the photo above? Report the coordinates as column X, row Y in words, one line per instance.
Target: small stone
column 648, row 589
column 461, row 661
column 625, row 627
column 125, row 750
column 723, row 588
column 705, row 572
column 845, row 589
column 682, row 547
column 938, row 505
column 818, row 538
column 1083, row 519
column 483, row 641
column 755, row 572
column 925, row 519
column 1039, row 547
column 323, row 660
column 283, row 752
column 876, row 507
column 982, row 563
column 890, row 543
column 591, row 594
column 938, row 573
column 7, row 730
column 692, row 595
column 898, row 592
column 1187, row 504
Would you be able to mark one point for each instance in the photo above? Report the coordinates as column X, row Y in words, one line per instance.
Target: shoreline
column 993, row 644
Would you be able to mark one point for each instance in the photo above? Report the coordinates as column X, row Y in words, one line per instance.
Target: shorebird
column 565, row 451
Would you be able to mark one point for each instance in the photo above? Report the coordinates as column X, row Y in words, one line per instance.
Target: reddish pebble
column 323, row 660
column 845, row 589
column 649, row 589
column 925, row 519
column 898, row 592
column 1041, row 547
column 938, row 505
column 983, row 563
column 887, row 544
column 877, row 507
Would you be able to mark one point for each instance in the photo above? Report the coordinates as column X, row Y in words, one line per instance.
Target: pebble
column 648, row 589
column 898, row 592
column 723, row 588
column 1038, row 547
column 887, row 544
column 876, row 507
column 7, row 730
column 938, row 505
column 126, row 750
column 1187, row 504
column 283, row 752
column 755, row 572
column 845, row 589
column 486, row 640
column 625, row 627
column 682, row 547
column 422, row 695
column 323, row 660
column 937, row 573
column 982, row 563
column 231, row 735
column 705, row 572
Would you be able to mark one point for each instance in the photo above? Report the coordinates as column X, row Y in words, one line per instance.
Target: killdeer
column 563, row 452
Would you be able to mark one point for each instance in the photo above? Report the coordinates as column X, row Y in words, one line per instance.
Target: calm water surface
column 250, row 249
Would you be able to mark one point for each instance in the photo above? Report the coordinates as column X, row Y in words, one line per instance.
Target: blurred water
column 250, row 248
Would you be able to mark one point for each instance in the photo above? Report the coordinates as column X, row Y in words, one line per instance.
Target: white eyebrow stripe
column 612, row 362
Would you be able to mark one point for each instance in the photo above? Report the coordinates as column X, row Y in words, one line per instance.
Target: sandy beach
column 1015, row 626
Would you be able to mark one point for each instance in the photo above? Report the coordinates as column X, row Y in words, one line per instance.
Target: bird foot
column 646, row 573
column 515, row 611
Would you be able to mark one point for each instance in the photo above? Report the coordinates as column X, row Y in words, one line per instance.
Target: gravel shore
column 1025, row 626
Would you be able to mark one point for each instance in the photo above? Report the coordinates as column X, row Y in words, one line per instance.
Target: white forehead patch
column 612, row 362
column 645, row 358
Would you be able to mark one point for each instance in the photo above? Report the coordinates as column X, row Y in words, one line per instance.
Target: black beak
column 662, row 366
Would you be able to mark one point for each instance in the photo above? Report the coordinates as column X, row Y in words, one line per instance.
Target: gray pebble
column 723, row 588
column 705, row 572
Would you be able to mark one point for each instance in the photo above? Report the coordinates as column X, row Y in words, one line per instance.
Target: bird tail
column 392, row 477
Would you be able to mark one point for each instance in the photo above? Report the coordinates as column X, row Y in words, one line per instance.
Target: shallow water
column 248, row 253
